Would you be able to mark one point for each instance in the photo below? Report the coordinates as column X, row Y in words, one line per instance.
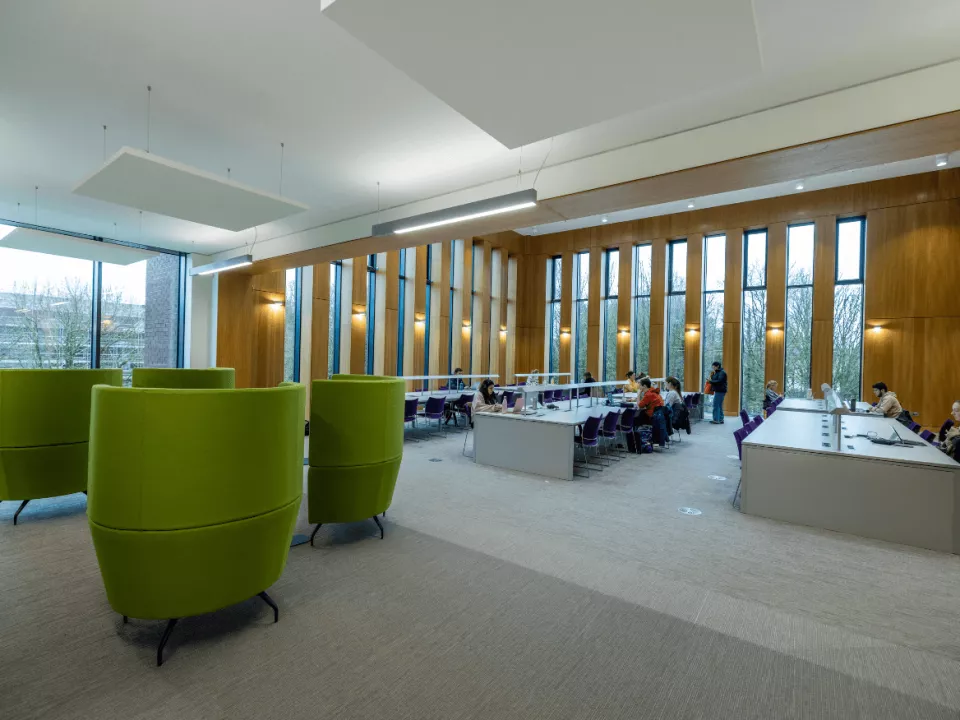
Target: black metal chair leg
column 314, row 533
column 163, row 641
column 19, row 509
column 125, row 619
column 377, row 521
column 267, row 599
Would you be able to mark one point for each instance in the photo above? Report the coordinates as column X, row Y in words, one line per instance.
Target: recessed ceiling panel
column 68, row 246
column 525, row 71
column 145, row 181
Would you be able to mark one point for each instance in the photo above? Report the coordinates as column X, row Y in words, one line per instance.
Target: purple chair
column 928, row 436
column 625, row 426
column 462, row 407
column 758, row 419
column 771, row 410
column 410, row 414
column 608, row 431
column 915, row 427
column 947, row 424
column 744, row 417
column 508, row 397
column 739, row 436
column 547, row 396
column 589, row 437
column 434, row 410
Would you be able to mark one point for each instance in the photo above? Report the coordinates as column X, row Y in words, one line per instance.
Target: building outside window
column 291, row 326
column 642, row 277
column 753, row 324
column 711, row 335
column 554, row 287
column 676, row 307
column 58, row 312
column 611, row 281
column 798, row 340
column 848, row 307
column 582, row 287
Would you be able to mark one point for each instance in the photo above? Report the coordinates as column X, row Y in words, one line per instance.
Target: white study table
column 540, row 444
column 792, row 470
column 814, row 405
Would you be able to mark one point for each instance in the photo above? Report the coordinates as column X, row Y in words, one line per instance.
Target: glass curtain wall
column 642, row 277
column 753, row 325
column 333, row 341
column 452, row 279
column 554, row 285
column 711, row 336
column 368, row 346
column 582, row 283
column 401, row 309
column 848, row 307
column 59, row 312
column 676, row 306
column 476, row 257
column 798, row 341
column 426, row 319
column 291, row 326
column 611, row 283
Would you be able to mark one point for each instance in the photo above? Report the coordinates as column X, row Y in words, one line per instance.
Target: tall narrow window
column 477, row 257
column 799, row 329
column 554, row 284
column 676, row 307
column 333, row 341
column 848, row 307
column 401, row 309
column 453, row 279
column 582, row 283
column 642, row 277
column 291, row 326
column 368, row 348
column 611, row 282
column 426, row 317
column 753, row 324
column 714, row 272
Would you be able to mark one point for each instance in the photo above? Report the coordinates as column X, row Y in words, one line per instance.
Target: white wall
column 200, row 317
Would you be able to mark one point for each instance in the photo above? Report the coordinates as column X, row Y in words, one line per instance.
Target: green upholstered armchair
column 44, row 429
column 356, row 445
column 193, row 496
column 206, row 378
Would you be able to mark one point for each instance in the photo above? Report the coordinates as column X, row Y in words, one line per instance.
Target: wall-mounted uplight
column 419, row 319
column 564, row 332
column 503, row 332
column 774, row 330
column 693, row 330
column 942, row 160
column 276, row 304
column 623, row 332
column 877, row 328
column 359, row 312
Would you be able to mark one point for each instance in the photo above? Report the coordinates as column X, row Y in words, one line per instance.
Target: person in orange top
column 649, row 402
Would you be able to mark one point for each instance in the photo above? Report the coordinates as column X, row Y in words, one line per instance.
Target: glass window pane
column 581, row 340
column 800, row 254
column 715, row 262
column 290, row 344
column 712, row 337
column 46, row 310
column 643, row 271
column 333, row 341
column 139, row 310
column 753, row 350
column 610, row 339
column 847, row 339
column 848, row 249
column 583, row 275
column 798, row 343
column 678, row 266
column 641, row 334
column 756, row 259
column 557, row 277
column 676, row 317
column 613, row 272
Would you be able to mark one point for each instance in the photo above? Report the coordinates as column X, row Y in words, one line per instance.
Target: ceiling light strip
column 461, row 213
column 223, row 265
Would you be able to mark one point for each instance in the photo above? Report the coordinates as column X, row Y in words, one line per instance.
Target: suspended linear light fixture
column 221, row 265
column 461, row 213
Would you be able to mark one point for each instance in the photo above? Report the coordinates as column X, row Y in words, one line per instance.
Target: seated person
column 770, row 395
column 533, row 378
column 950, row 422
column 456, row 382
column 648, row 403
column 673, row 396
column 950, row 442
column 485, row 400
column 887, row 404
column 588, row 377
column 631, row 386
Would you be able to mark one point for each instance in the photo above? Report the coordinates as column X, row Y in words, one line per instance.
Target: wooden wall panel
column 566, row 312
column 481, row 311
column 466, row 329
column 358, row 320
column 419, row 315
column 320, row 324
column 250, row 327
column 625, row 340
column 824, row 257
column 776, row 301
column 732, row 305
column 593, row 312
column 692, row 330
column 443, row 324
column 391, row 321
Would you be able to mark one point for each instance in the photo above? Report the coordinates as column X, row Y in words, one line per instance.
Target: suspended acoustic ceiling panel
column 146, row 181
column 530, row 70
column 68, row 246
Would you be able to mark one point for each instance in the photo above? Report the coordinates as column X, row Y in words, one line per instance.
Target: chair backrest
column 739, row 436
column 547, row 396
column 915, row 427
column 185, row 378
column 508, row 397
column 591, row 428
column 409, row 409
column 772, row 409
column 928, row 436
column 344, row 431
column 434, row 406
column 610, row 422
column 465, row 399
column 744, row 417
column 947, row 424
column 627, row 418
column 758, row 419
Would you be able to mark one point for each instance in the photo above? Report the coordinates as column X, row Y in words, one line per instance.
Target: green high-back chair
column 185, row 378
column 44, row 429
column 193, row 496
column 356, row 445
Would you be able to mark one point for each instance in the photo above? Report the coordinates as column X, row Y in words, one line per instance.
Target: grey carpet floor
column 501, row 595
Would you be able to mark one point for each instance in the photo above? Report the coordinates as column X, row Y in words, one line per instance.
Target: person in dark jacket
column 718, row 383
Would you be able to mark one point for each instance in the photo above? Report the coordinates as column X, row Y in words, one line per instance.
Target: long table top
column 804, row 405
column 576, row 416
column 816, row 433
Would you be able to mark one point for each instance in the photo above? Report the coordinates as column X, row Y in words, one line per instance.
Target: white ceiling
column 233, row 80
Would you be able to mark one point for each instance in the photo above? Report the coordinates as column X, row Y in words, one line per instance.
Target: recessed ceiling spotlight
column 942, row 160
column 799, row 186
column 603, row 219
column 690, row 205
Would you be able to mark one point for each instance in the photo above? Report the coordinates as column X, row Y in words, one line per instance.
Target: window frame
column 609, row 294
column 335, row 328
column 426, row 317
column 671, row 293
column 635, row 296
column 370, row 334
column 798, row 286
column 581, row 342
column 401, row 308
column 861, row 281
column 554, row 263
column 706, row 362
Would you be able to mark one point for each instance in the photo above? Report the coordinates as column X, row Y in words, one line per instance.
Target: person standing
column 718, row 382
